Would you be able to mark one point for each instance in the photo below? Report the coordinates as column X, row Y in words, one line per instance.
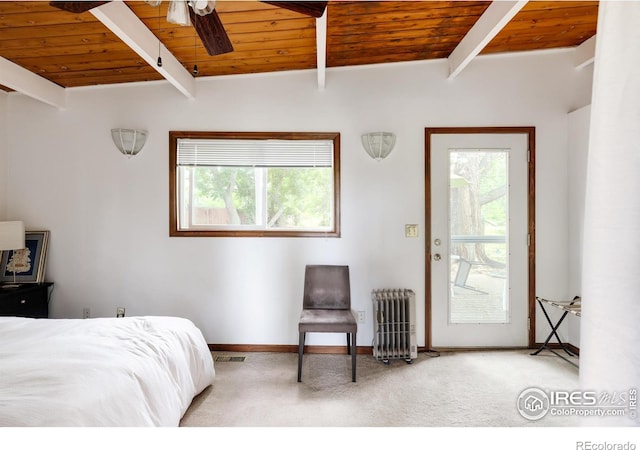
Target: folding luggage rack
column 571, row 307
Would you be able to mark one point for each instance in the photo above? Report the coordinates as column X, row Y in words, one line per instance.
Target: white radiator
column 394, row 324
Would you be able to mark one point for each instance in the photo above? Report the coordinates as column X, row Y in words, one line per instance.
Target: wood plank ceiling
column 78, row 50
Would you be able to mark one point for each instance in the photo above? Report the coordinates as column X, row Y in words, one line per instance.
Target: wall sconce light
column 379, row 144
column 129, row 142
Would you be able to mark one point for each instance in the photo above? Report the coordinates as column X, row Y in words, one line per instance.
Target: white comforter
column 132, row 371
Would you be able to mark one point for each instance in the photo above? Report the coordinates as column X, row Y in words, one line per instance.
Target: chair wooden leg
column 300, row 352
column 348, row 343
column 353, row 358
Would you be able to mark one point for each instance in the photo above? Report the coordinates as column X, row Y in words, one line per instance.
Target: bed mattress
column 132, row 371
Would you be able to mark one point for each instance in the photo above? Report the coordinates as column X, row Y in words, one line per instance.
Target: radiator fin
column 394, row 328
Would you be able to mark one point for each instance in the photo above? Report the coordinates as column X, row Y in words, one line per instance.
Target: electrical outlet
column 361, row 317
column 86, row 313
column 120, row 312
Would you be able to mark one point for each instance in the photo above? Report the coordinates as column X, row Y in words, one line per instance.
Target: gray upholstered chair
column 326, row 308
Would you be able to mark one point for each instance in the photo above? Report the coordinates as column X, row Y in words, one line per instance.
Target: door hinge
column 528, row 323
column 528, row 239
column 528, row 155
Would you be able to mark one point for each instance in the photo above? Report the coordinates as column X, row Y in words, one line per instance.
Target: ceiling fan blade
column 76, row 7
column 211, row 32
column 313, row 9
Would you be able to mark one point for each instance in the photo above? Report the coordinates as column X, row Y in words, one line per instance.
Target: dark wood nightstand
column 27, row 300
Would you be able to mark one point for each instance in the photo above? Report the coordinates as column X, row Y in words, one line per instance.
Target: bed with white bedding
column 131, row 371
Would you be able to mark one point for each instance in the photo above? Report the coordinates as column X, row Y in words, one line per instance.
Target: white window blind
column 255, row 153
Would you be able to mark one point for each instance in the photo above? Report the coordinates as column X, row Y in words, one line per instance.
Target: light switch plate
column 411, row 230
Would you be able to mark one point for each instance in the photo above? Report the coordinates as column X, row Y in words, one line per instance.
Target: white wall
column 578, row 153
column 108, row 215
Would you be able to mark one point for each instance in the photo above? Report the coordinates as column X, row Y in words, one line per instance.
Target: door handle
column 437, row 257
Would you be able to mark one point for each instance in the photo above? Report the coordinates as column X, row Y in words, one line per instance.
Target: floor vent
column 224, row 358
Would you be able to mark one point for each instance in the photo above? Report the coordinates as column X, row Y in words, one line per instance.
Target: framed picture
column 26, row 265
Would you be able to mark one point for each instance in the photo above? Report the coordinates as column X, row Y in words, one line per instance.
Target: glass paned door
column 479, row 248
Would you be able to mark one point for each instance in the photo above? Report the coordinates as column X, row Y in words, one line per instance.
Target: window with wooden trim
column 254, row 184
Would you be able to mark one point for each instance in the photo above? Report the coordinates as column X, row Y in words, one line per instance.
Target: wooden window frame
column 174, row 230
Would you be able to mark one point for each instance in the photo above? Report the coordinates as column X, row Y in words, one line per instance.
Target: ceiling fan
column 204, row 17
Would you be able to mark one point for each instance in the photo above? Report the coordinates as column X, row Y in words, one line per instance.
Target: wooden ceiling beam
column 496, row 16
column 125, row 24
column 20, row 79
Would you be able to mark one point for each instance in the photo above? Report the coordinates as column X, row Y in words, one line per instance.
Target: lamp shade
column 129, row 142
column 202, row 7
column 379, row 144
column 12, row 235
column 178, row 13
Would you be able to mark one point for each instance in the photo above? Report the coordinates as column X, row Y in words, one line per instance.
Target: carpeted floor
column 461, row 389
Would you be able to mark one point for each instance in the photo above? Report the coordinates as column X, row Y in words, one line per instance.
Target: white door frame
column 530, row 131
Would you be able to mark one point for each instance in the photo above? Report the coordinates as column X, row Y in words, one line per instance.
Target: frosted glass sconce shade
column 129, row 142
column 379, row 144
